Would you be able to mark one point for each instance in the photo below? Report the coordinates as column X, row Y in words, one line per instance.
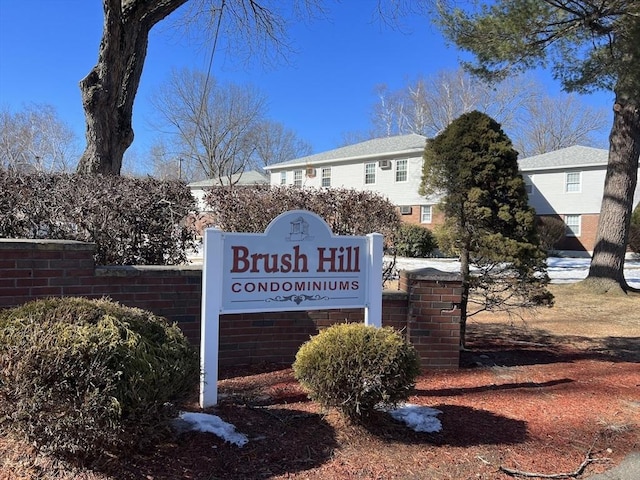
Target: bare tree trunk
column 607, row 263
column 109, row 90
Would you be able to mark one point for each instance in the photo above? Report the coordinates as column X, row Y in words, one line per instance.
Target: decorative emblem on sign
column 299, row 230
column 297, row 298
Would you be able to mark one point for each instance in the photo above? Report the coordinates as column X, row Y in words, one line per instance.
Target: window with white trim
column 401, row 170
column 283, row 178
column 528, row 185
column 297, row 178
column 326, row 177
column 369, row 173
column 573, row 182
column 573, row 225
column 426, row 213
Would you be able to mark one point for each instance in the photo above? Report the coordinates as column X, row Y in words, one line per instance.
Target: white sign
column 296, row 264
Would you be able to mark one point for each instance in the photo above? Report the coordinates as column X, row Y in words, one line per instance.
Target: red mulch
column 516, row 405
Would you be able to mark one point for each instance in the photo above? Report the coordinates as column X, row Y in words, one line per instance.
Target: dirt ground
column 553, row 393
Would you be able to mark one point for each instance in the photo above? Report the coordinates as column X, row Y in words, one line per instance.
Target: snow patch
column 417, row 417
column 204, row 422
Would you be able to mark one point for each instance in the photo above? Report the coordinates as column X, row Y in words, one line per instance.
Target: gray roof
column 245, row 178
column 378, row 147
column 576, row 156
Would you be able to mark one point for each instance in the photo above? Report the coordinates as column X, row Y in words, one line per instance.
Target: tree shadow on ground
column 280, row 441
column 462, row 426
column 490, row 344
column 447, row 392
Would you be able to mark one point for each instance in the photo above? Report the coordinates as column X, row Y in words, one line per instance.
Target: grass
column 579, row 312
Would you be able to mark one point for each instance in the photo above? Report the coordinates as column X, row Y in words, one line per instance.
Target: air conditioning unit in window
column 405, row 209
column 311, row 172
column 384, row 164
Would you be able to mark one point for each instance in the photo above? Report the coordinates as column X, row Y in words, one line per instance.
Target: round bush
column 415, row 241
column 81, row 377
column 354, row 367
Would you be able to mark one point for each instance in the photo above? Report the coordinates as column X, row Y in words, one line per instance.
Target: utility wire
column 208, row 76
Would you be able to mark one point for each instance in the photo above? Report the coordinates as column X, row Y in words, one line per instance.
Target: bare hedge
column 131, row 220
column 347, row 211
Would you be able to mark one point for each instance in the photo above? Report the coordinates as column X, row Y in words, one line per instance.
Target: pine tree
column 589, row 45
column 488, row 221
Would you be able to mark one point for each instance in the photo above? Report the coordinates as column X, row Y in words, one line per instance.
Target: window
column 297, row 178
column 426, row 212
column 573, row 225
column 401, row 171
column 283, row 178
column 572, row 182
column 528, row 185
column 326, row 177
column 369, row 173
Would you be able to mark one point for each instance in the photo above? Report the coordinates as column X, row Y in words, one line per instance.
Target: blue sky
column 325, row 90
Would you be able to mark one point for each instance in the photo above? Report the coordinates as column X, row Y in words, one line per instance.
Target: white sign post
column 296, row 264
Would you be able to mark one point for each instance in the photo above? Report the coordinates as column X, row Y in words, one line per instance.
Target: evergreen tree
column 589, row 45
column 488, row 221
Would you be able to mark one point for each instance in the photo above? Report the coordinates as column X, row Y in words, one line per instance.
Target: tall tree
column 591, row 44
column 213, row 126
column 276, row 143
column 550, row 124
column 109, row 90
column 36, row 139
column 218, row 130
column 488, row 221
column 536, row 122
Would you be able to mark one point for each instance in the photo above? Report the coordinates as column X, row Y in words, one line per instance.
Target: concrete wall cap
column 43, row 244
column 138, row 270
column 433, row 274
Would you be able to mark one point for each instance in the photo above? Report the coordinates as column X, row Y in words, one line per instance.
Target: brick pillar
column 433, row 315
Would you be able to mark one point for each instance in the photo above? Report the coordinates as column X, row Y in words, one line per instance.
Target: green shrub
column 81, row 377
column 354, row 367
column 634, row 232
column 415, row 241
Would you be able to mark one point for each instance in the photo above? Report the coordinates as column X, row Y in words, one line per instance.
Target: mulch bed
column 515, row 405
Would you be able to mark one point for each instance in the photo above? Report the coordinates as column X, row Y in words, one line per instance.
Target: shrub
column 354, row 367
column 415, row 241
column 634, row 231
column 550, row 231
column 130, row 220
column 346, row 211
column 81, row 377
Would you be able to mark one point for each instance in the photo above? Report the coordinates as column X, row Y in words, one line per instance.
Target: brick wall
column 437, row 217
column 587, row 239
column 31, row 269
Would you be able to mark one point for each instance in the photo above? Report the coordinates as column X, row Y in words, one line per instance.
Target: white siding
column 549, row 194
column 548, row 180
column 351, row 175
column 198, row 194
